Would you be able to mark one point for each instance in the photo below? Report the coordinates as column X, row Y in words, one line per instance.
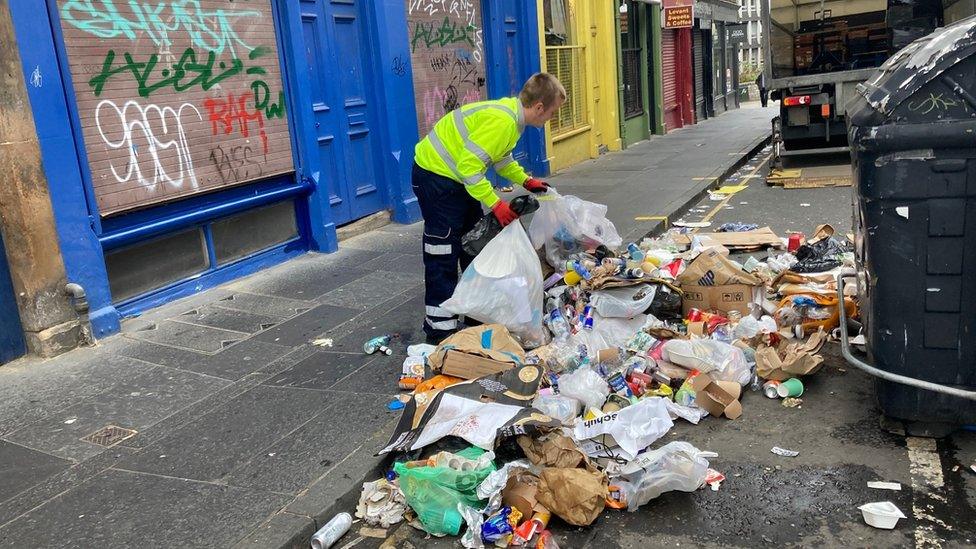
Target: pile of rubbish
column 588, row 353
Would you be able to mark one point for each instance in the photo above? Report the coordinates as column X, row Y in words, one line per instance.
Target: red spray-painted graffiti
column 224, row 112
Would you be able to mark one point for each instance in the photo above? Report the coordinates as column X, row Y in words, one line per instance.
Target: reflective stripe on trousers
column 449, row 212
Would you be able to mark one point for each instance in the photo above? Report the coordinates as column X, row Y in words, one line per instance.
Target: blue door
column 513, row 57
column 11, row 333
column 338, row 52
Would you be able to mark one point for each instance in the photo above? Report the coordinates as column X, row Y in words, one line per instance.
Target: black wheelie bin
column 912, row 131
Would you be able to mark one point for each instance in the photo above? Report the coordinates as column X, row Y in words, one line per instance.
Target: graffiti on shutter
column 175, row 98
column 448, row 56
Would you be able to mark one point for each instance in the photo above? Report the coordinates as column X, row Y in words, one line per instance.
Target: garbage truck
column 817, row 52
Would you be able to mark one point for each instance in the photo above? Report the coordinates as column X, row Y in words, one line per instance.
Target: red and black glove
column 504, row 213
column 534, row 185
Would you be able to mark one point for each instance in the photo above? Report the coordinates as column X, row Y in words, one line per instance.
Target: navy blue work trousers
column 449, row 212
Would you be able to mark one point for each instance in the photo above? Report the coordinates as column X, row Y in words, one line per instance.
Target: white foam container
column 881, row 514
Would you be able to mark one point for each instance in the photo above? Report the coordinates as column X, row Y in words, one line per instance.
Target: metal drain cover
column 110, row 435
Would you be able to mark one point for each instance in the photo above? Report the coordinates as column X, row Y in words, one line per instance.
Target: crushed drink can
column 771, row 389
column 694, row 315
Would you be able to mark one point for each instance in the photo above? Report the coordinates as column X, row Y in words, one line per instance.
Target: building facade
column 750, row 51
column 184, row 144
column 578, row 44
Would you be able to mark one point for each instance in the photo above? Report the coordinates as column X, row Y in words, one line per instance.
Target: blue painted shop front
column 11, row 333
column 346, row 81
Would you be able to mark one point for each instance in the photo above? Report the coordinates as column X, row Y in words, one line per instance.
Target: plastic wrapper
column 722, row 361
column 634, row 428
column 474, row 519
column 626, row 302
column 586, row 386
column 491, row 487
column 488, row 227
column 503, row 285
column 558, row 406
column 607, row 333
column 675, row 466
column 821, row 256
column 566, row 225
column 666, row 304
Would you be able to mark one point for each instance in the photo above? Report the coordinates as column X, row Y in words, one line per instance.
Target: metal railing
column 566, row 63
column 633, row 103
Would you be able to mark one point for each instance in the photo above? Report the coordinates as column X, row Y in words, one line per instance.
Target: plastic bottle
column 558, row 325
column 331, row 532
column 378, row 343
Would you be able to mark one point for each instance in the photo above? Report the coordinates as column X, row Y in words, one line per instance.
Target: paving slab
column 397, row 263
column 231, row 363
column 196, row 338
column 125, row 509
column 315, row 448
column 249, row 322
column 137, row 405
column 323, row 370
column 21, row 468
column 307, row 326
column 231, row 435
column 306, row 277
column 32, row 391
column 372, row 290
column 269, row 305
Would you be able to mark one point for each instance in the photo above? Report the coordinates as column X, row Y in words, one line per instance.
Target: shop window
column 250, row 232
column 565, row 59
column 146, row 266
column 631, row 56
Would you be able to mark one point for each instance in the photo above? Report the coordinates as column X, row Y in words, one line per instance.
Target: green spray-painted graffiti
column 430, row 34
column 186, row 73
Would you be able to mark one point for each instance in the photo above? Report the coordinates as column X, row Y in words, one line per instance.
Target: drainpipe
column 621, row 6
column 79, row 300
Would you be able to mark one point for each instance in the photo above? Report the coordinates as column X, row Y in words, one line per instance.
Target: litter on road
column 589, row 349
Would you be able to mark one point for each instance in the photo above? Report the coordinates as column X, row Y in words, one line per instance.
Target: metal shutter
column 699, row 65
column 669, row 79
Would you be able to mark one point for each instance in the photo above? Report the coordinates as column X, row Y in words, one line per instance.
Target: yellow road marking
column 725, row 201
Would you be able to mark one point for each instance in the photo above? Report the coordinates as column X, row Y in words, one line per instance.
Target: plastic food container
column 881, row 514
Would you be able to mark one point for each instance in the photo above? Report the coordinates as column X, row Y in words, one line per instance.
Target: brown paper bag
column 552, row 450
column 577, row 496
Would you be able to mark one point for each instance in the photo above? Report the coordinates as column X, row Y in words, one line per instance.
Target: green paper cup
column 792, row 387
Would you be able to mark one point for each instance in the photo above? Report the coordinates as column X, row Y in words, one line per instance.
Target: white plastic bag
column 503, row 285
column 586, row 386
column 634, row 428
column 559, row 406
column 626, row 302
column 568, row 224
column 674, row 466
column 720, row 360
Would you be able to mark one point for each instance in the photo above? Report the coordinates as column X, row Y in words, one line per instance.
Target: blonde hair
column 544, row 87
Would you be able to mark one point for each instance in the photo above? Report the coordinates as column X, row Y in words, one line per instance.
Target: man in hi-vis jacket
column 450, row 185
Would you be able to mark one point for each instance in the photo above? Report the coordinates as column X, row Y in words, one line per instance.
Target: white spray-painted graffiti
column 210, row 30
column 134, row 124
column 36, row 79
column 175, row 97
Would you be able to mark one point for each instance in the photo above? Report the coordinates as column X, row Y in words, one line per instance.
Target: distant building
column 750, row 52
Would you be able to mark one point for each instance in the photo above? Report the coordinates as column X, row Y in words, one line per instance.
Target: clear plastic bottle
column 558, row 325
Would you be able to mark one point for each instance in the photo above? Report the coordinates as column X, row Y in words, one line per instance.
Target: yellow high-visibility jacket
column 466, row 141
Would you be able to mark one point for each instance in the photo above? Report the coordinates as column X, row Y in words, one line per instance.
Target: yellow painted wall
column 595, row 25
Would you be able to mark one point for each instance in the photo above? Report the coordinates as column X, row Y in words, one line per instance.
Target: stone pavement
column 251, row 406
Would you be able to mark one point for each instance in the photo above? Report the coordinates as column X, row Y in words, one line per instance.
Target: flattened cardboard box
column 466, row 366
column 729, row 297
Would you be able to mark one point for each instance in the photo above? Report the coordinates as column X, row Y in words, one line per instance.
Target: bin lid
column 911, row 68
